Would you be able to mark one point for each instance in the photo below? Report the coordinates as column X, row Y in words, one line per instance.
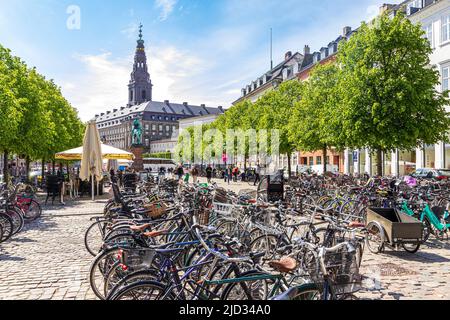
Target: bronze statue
column 137, row 133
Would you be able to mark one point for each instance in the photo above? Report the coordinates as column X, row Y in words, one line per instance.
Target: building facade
column 160, row 120
column 284, row 71
column 434, row 17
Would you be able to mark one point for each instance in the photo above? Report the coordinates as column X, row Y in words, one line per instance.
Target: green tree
column 310, row 127
column 11, row 69
column 388, row 89
column 276, row 108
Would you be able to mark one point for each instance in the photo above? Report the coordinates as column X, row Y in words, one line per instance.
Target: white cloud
column 102, row 85
column 166, row 7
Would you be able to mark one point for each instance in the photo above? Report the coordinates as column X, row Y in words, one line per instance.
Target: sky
column 199, row 51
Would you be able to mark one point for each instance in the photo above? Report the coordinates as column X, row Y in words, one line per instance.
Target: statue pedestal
column 138, row 164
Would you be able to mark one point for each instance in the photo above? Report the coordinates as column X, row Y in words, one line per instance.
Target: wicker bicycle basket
column 156, row 209
column 342, row 269
column 203, row 216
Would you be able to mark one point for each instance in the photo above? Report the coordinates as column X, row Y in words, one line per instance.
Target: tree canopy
column 36, row 121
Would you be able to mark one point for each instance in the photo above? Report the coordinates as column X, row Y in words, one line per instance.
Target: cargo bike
column 388, row 227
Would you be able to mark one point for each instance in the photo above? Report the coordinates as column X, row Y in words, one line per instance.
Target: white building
column 434, row 16
column 160, row 146
column 197, row 121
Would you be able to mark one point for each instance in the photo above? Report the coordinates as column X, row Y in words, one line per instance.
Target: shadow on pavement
column 7, row 257
column 426, row 257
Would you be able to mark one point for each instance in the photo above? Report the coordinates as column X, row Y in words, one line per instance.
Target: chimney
column 185, row 104
column 346, row 31
column 385, row 7
column 288, row 55
column 306, row 50
column 202, row 105
column 96, row 116
column 166, row 101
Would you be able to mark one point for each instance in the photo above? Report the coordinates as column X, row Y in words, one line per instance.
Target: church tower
column 140, row 86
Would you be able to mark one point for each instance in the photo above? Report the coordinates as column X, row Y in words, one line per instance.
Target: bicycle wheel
column 32, row 211
column 247, row 290
column 99, row 269
column 307, row 291
column 93, row 238
column 375, row 237
column 7, row 226
column 131, row 278
column 17, row 218
column 143, row 290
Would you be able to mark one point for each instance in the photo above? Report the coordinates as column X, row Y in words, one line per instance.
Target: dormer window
column 413, row 7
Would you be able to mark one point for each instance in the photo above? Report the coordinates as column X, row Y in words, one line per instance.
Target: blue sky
column 199, row 51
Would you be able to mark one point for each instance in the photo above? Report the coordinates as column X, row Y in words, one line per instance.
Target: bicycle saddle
column 284, row 265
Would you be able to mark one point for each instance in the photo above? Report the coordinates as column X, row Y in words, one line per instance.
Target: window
column 414, row 4
column 311, row 161
column 319, row 160
column 160, row 127
column 445, row 29
column 429, row 33
column 147, row 127
column 144, row 94
column 154, row 127
column 445, row 78
column 167, row 128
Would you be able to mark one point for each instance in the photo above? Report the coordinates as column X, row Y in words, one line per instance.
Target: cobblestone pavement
column 48, row 260
column 400, row 275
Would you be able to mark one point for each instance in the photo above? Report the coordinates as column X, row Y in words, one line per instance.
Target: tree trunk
column 324, row 159
column 379, row 163
column 5, row 167
column 289, row 165
column 27, row 168
column 53, row 167
column 43, row 171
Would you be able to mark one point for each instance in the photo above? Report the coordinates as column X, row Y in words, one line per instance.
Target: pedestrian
column 120, row 176
column 209, row 173
column 180, row 172
column 228, row 174
column 195, row 173
column 257, row 174
column 235, row 173
column 186, row 177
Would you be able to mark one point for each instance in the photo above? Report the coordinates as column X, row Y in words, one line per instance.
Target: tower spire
column 140, row 86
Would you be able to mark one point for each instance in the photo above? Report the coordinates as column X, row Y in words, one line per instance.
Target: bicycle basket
column 135, row 258
column 223, row 208
column 156, row 209
column 202, row 216
column 342, row 269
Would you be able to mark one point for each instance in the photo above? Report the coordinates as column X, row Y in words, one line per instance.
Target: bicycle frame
column 429, row 214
